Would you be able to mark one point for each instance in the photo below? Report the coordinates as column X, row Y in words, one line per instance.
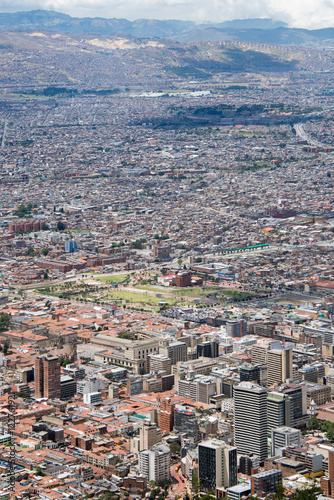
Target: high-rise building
column 298, row 393
column 198, row 388
column 149, row 435
column 236, row 328
column 253, row 373
column 279, row 410
column 175, row 351
column 155, row 463
column 159, row 362
column 70, row 246
column 266, row 482
column 166, row 415
column 250, row 419
column 327, row 483
column 208, row 349
column 185, row 421
column 47, row 377
column 280, row 365
column 281, row 437
column 217, row 464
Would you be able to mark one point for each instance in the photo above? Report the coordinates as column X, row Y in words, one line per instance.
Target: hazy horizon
column 309, row 14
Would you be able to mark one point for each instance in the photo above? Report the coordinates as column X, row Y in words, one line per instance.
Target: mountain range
column 246, row 30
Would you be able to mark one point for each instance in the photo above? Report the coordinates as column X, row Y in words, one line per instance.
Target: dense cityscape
column 166, row 270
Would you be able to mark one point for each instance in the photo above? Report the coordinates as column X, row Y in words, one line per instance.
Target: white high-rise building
column 281, row 437
column 250, row 420
column 155, row 462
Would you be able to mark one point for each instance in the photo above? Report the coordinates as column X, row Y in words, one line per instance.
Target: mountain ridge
column 258, row 30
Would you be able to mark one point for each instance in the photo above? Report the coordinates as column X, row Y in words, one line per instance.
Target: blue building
column 70, row 246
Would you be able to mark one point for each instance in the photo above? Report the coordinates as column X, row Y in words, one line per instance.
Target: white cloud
column 297, row 13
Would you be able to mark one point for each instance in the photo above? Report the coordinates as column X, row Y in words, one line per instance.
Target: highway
column 300, row 131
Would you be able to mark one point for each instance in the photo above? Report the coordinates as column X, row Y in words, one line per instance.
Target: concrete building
column 250, row 427
column 185, row 422
column 47, row 377
column 279, row 365
column 199, row 388
column 281, row 437
column 175, row 351
column 159, row 362
column 266, row 482
column 149, row 435
column 155, row 463
column 217, row 464
column 208, row 349
column 236, row 328
column 279, row 410
column 92, row 397
column 166, row 415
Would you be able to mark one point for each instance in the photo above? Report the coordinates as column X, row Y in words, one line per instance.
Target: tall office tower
column 279, row 410
column 250, row 419
column 279, row 365
column 149, row 435
column 254, row 373
column 155, row 463
column 47, row 377
column 175, row 351
column 298, row 394
column 259, row 353
column 237, row 328
column 209, row 349
column 185, row 421
column 166, row 415
column 217, row 464
column 39, row 383
column 281, row 437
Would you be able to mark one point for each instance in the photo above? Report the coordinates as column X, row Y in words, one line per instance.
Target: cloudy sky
column 297, row 13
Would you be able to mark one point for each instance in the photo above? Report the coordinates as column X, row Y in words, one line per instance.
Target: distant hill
column 247, row 30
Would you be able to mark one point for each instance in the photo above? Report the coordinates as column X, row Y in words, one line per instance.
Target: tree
column 39, row 471
column 30, row 252
column 174, row 448
column 5, row 320
column 313, row 423
column 195, row 484
column 326, row 425
column 5, row 348
column 45, row 251
column 330, row 433
column 61, row 226
column 279, row 495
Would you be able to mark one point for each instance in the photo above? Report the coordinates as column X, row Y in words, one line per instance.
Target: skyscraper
column 279, row 365
column 250, row 419
column 217, row 464
column 236, row 328
column 47, row 377
column 279, row 410
column 155, row 462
